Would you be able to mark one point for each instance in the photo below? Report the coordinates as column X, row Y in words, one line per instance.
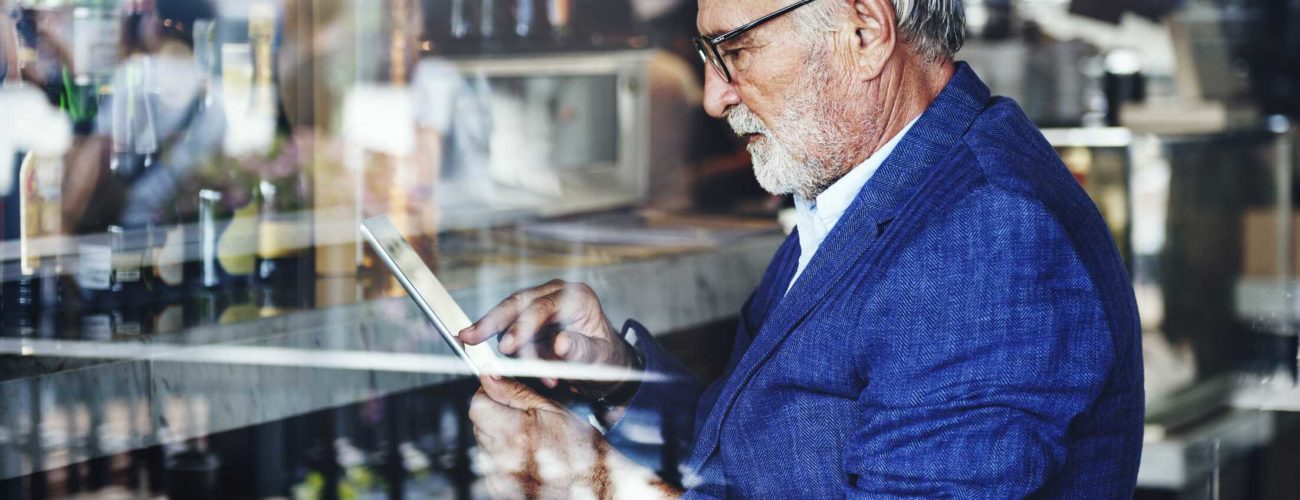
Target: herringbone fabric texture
column 968, row 330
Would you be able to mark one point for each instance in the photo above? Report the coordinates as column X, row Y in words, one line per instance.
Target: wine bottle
column 248, row 85
column 131, row 288
column 37, row 195
column 135, row 139
column 559, row 15
column 129, row 276
column 96, row 32
column 46, row 205
column 227, row 242
column 526, row 17
column 465, row 23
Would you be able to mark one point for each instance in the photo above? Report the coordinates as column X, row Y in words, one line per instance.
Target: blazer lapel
column 929, row 142
column 771, row 290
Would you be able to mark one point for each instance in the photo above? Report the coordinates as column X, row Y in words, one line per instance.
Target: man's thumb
column 511, row 393
column 576, row 347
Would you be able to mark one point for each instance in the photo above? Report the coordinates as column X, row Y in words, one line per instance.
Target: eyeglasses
column 708, row 47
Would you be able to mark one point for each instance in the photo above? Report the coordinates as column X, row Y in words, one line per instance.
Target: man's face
column 782, row 97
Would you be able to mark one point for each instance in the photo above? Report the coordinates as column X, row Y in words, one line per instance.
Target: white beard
column 779, row 170
column 808, row 158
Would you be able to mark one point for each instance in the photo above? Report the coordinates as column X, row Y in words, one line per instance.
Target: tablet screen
column 425, row 289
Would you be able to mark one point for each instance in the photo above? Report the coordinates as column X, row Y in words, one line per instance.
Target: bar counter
column 69, row 401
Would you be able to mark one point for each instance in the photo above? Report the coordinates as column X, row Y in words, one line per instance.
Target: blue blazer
column 967, row 330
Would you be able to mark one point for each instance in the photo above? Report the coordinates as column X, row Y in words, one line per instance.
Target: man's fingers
column 575, row 347
column 504, row 314
column 563, row 345
column 497, row 318
column 482, row 408
column 522, row 333
column 512, row 394
column 494, row 422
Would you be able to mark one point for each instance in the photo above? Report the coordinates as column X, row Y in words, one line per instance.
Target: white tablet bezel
column 424, row 288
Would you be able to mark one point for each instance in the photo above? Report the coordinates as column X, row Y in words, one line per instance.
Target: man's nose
column 719, row 96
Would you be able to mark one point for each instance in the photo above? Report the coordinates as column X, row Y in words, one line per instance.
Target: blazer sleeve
column 657, row 429
column 988, row 339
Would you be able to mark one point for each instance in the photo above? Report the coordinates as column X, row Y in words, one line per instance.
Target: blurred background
column 187, row 311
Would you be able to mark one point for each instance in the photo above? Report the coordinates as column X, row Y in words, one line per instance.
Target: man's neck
column 906, row 89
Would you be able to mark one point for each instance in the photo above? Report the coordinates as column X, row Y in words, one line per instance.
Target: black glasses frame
column 708, row 46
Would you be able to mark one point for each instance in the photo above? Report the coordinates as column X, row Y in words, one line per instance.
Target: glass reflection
column 182, row 184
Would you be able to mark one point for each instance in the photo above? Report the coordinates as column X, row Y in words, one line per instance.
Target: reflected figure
column 154, row 131
column 172, row 118
column 454, row 115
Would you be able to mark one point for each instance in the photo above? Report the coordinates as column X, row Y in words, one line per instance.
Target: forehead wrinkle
column 726, row 15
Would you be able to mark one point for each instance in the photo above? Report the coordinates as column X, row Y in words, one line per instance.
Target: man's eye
column 736, row 56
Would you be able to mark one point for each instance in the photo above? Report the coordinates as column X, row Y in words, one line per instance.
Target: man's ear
column 874, row 36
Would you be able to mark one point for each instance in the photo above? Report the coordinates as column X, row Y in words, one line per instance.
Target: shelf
column 1272, row 304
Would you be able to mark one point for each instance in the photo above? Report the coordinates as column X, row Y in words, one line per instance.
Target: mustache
column 744, row 122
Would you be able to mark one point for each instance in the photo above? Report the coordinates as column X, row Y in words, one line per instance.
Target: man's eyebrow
column 745, row 37
column 712, row 34
column 742, row 37
column 717, row 33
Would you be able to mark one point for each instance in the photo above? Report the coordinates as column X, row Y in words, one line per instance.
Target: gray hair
column 934, row 29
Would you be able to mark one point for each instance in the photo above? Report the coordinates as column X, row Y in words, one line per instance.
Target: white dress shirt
column 816, row 219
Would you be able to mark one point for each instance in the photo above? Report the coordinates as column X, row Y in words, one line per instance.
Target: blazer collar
column 931, row 140
column 938, row 130
column 934, row 136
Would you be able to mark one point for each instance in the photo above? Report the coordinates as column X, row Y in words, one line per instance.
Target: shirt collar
column 826, row 211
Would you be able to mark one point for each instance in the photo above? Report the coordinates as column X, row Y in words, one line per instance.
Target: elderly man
column 951, row 318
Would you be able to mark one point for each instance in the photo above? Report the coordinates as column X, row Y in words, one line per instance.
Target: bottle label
column 171, row 258
column 126, row 267
column 99, row 327
column 30, row 208
column 238, row 243
column 95, row 270
column 127, row 328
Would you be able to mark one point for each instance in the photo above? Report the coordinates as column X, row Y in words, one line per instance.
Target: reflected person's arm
column 86, row 186
column 422, row 207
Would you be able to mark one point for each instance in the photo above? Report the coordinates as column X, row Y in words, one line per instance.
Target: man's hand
column 557, row 321
column 531, row 447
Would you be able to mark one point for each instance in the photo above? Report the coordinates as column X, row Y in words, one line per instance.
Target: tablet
column 424, row 288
